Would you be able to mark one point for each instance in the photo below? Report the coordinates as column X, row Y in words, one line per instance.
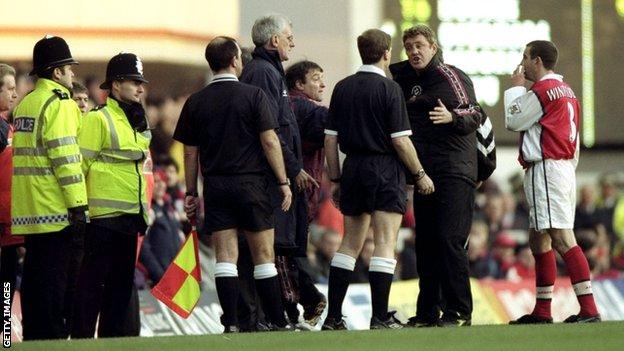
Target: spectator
column 80, row 94
column 504, row 253
column 494, row 213
column 164, row 237
column 524, row 267
column 586, row 215
column 482, row 265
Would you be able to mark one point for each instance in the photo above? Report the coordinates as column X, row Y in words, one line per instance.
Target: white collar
column 556, row 76
column 372, row 69
column 223, row 77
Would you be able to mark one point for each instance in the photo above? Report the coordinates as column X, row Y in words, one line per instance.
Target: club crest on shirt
column 514, row 109
column 416, row 90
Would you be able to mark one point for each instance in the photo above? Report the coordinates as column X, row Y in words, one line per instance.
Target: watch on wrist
column 191, row 193
column 286, row 182
column 419, row 174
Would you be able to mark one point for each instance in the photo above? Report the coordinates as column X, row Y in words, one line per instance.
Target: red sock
column 545, row 275
column 578, row 270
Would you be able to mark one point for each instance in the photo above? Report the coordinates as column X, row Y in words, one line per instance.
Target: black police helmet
column 51, row 52
column 123, row 66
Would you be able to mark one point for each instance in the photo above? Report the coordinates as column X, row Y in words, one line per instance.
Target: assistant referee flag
column 179, row 286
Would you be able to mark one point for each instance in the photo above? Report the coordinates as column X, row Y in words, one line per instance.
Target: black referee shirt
column 224, row 120
column 366, row 111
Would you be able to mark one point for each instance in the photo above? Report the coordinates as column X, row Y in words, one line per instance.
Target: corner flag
column 179, row 286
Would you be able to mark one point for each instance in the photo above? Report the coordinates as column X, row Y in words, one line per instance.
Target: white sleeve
column 522, row 109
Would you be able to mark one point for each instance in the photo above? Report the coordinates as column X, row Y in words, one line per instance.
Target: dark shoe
column 390, row 323
column 417, row 322
column 454, row 321
column 531, row 319
column 275, row 327
column 332, row 324
column 312, row 314
column 230, row 329
column 575, row 318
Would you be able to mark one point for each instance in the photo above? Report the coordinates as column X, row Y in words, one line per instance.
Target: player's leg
column 382, row 265
column 540, row 243
column 545, row 275
column 226, row 276
column 342, row 266
column 578, row 270
column 561, row 182
column 265, row 275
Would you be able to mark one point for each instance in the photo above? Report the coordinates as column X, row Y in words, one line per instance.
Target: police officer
column 49, row 201
column 114, row 142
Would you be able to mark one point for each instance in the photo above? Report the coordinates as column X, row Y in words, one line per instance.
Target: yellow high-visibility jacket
column 113, row 155
column 47, row 178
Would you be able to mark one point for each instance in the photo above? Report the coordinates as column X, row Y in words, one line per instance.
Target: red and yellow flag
column 179, row 286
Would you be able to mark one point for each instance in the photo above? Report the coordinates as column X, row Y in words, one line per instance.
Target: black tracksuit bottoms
column 443, row 221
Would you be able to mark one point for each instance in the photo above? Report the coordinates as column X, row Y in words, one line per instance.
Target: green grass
column 601, row 336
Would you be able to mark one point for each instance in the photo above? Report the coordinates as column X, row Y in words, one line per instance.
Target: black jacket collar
column 404, row 68
column 272, row 56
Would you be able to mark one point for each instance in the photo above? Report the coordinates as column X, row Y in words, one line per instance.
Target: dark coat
column 267, row 73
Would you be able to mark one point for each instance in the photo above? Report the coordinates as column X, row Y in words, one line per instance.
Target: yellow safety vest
column 113, row 156
column 47, row 179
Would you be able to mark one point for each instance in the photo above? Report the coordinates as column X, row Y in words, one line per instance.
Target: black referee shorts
column 372, row 183
column 240, row 202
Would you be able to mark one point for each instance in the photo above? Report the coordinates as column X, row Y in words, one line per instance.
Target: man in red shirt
column 547, row 116
column 9, row 243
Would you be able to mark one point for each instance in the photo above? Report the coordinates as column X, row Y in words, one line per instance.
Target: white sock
column 343, row 261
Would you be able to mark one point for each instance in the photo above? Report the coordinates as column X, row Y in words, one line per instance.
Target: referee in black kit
column 368, row 118
column 230, row 125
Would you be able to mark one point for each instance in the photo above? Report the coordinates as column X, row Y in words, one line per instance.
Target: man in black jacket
column 273, row 37
column 444, row 116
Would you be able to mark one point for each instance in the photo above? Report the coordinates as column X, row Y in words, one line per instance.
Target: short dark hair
column 220, row 51
column 49, row 73
column 372, row 44
column 546, row 50
column 78, row 88
column 298, row 71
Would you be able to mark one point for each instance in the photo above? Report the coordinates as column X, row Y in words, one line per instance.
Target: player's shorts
column 240, row 202
column 372, row 183
column 550, row 189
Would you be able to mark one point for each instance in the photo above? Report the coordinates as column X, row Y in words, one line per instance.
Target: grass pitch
column 600, row 336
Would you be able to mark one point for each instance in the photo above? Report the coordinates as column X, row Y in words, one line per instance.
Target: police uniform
column 114, row 142
column 49, row 195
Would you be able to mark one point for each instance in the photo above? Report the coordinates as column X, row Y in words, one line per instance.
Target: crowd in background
column 497, row 246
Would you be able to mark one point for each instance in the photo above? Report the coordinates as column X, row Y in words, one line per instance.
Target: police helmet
column 51, row 52
column 123, row 66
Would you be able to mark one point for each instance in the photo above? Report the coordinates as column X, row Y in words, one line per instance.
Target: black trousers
column 106, row 286
column 443, row 221
column 50, row 270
